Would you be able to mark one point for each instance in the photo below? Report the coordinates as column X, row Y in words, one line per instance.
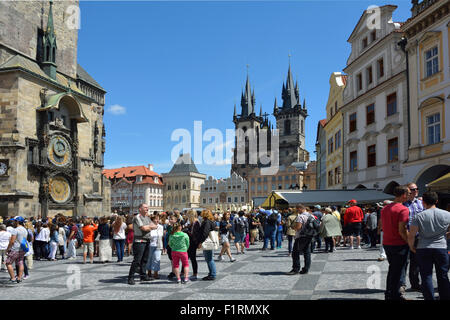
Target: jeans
column 39, row 249
column 154, row 259
column 192, row 253
column 301, row 245
column 397, row 257
column 120, row 249
column 372, row 237
column 279, row 237
column 270, row 232
column 209, row 258
column 426, row 258
column 140, row 251
column 329, row 244
column 317, row 239
column 290, row 242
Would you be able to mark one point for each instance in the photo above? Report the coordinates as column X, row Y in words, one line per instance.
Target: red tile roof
column 344, row 79
column 323, row 122
column 129, row 172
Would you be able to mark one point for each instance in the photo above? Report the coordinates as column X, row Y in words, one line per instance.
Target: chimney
column 150, row 167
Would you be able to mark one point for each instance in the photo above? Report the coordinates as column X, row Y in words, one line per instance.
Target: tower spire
column 49, row 45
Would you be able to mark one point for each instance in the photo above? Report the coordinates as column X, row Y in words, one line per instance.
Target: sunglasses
column 415, row 189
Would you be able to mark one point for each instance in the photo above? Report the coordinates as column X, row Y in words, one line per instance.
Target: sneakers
column 25, row 277
column 242, row 252
column 208, row 278
column 178, row 281
column 351, row 247
column 193, row 278
column 131, row 281
column 359, row 247
column 220, row 258
column 185, row 280
column 232, row 260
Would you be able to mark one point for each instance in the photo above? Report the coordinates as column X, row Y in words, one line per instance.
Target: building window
column 373, row 36
column 431, row 61
column 265, row 187
column 353, row 161
column 236, row 199
column 393, row 150
column 337, row 175
column 330, row 145
column 434, row 128
column 204, row 200
column 242, row 199
column 274, row 187
column 370, row 114
column 335, row 107
column 337, row 140
column 352, row 120
column 369, row 75
column 359, row 81
column 380, row 65
column 364, row 43
column 391, row 102
column 330, row 178
column 287, row 127
column 371, row 156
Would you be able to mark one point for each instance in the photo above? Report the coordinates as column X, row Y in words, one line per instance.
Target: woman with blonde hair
column 208, row 225
column 119, row 227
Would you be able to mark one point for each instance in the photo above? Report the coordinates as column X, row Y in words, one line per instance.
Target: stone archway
column 389, row 189
column 430, row 175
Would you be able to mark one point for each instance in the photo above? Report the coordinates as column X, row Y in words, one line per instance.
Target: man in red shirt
column 394, row 219
column 352, row 222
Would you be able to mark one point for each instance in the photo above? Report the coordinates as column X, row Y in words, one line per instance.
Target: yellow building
column 427, row 34
column 334, row 132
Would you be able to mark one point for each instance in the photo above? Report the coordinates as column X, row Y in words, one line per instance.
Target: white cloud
column 117, row 110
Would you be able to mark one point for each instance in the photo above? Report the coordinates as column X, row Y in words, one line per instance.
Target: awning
column 75, row 109
column 325, row 197
column 440, row 183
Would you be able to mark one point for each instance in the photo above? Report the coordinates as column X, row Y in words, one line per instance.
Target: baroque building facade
column 52, row 135
column 375, row 105
column 132, row 186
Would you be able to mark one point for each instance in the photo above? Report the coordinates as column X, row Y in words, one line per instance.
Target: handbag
column 212, row 242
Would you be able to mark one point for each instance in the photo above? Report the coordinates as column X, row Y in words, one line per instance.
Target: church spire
column 49, row 44
column 290, row 99
column 247, row 100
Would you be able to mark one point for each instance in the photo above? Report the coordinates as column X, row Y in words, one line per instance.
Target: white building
column 375, row 101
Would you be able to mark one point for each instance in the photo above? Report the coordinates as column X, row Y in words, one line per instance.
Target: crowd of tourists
column 407, row 229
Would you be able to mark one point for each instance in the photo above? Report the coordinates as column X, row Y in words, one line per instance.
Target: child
column 156, row 245
column 179, row 243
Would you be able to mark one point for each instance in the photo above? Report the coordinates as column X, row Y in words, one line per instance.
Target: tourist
column 270, row 227
column 414, row 206
column 155, row 247
column 253, row 227
column 302, row 243
column 371, row 222
column 279, row 232
column 40, row 240
column 15, row 252
column 179, row 243
column 104, row 245
column 5, row 236
column 173, row 218
column 72, row 240
column 240, row 225
column 206, row 227
column 30, row 239
column 394, row 218
column 119, row 227
column 88, row 239
column 193, row 233
column 352, row 220
column 225, row 235
column 432, row 226
column 330, row 228
column 54, row 235
column 290, row 231
column 130, row 235
column 62, row 239
column 316, row 242
column 142, row 225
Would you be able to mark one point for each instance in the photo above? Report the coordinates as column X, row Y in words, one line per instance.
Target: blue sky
column 167, row 64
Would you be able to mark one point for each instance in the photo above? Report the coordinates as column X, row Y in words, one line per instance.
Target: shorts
column 177, row 256
column 224, row 238
column 88, row 246
column 239, row 238
column 354, row 229
column 15, row 256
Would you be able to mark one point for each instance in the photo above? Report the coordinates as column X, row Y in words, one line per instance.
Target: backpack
column 310, row 228
column 79, row 236
column 273, row 219
column 240, row 225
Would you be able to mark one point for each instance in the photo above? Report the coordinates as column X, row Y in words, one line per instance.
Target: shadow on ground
column 358, row 291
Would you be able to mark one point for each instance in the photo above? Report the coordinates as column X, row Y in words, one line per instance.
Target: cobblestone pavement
column 256, row 275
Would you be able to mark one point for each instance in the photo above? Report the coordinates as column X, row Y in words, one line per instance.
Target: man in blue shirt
column 270, row 229
column 415, row 206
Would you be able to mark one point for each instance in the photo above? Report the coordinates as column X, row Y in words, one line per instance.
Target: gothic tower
column 290, row 119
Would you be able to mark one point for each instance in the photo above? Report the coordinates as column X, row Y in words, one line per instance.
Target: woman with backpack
column 240, row 227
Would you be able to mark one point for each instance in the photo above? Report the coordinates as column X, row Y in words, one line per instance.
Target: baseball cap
column 19, row 218
column 352, row 201
column 317, row 207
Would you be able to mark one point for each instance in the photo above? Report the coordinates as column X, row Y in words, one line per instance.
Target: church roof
column 129, row 172
column 184, row 164
column 86, row 77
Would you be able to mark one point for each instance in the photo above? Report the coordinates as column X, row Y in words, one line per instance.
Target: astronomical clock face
column 3, row 168
column 59, row 188
column 59, row 152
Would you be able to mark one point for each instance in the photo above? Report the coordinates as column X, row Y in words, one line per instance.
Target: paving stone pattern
column 257, row 275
